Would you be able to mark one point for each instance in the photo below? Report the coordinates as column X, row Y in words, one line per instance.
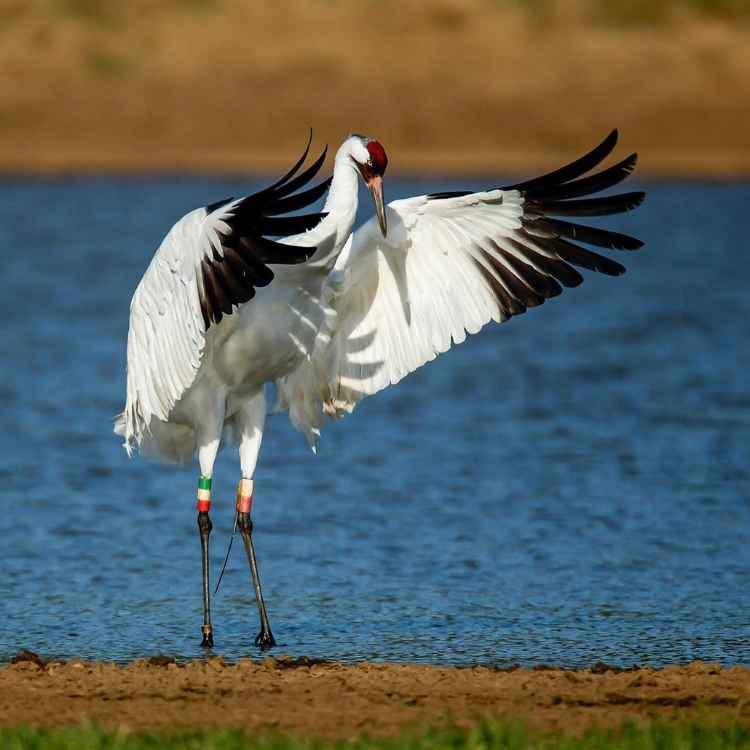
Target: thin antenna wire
column 229, row 549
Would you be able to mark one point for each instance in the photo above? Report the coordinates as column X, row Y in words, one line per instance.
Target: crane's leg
column 204, row 527
column 251, row 419
column 209, row 438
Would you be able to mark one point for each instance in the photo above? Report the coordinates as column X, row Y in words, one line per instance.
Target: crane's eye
column 366, row 169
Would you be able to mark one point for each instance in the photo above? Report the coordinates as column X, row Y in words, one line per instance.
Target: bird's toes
column 208, row 637
column 265, row 640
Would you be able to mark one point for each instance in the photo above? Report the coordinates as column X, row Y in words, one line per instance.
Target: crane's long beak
column 376, row 190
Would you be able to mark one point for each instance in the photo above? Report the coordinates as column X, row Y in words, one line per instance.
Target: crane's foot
column 208, row 636
column 264, row 640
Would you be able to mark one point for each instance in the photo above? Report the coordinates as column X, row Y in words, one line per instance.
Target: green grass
column 486, row 736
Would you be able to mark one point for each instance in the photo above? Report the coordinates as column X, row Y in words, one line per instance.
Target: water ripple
column 572, row 487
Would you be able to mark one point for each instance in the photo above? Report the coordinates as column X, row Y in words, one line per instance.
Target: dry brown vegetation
column 448, row 86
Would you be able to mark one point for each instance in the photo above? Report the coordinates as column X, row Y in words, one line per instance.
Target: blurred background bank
column 450, row 86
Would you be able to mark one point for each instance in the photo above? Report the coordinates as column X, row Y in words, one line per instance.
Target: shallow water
column 570, row 487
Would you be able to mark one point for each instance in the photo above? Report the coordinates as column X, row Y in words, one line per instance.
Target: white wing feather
column 167, row 334
column 401, row 301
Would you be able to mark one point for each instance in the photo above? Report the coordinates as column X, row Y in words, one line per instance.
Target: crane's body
column 260, row 343
column 330, row 315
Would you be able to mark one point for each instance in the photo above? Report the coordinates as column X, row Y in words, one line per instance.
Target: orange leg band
column 245, row 496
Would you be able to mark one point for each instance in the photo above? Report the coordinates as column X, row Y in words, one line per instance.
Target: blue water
column 569, row 487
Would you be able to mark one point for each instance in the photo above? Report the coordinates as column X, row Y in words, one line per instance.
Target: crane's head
column 371, row 161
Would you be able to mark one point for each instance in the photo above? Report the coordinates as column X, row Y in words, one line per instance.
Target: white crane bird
column 332, row 316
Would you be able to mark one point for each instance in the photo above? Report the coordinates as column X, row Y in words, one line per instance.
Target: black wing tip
column 634, row 244
column 604, row 206
column 631, row 161
column 636, row 199
column 555, row 246
column 619, row 271
column 607, row 146
column 298, row 201
column 305, row 153
column 294, row 169
column 573, row 170
column 318, row 163
column 544, row 188
column 231, row 280
column 291, row 186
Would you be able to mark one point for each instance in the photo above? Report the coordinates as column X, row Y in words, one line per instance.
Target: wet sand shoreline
column 305, row 697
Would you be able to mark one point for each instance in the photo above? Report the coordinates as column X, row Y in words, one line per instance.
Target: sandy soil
column 332, row 700
column 448, row 86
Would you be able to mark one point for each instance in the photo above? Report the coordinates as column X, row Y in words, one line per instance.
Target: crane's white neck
column 343, row 195
column 341, row 205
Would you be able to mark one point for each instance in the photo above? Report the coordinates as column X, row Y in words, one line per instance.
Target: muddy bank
column 333, row 700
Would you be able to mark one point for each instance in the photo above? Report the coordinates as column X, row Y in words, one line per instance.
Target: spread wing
column 451, row 263
column 212, row 260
